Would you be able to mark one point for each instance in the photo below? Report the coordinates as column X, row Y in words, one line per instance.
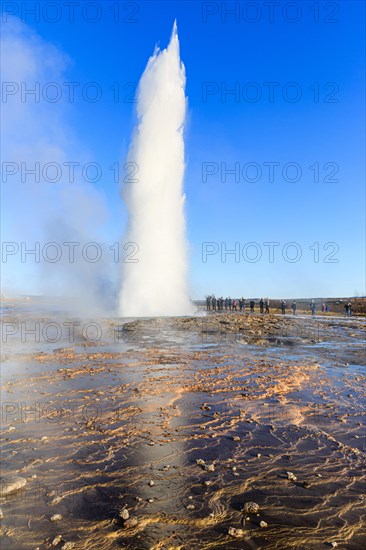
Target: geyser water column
column 155, row 283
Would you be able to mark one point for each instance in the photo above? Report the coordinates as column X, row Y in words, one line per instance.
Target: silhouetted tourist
column 243, row 302
column 293, row 307
column 208, row 302
column 251, row 306
column 230, row 302
column 226, row 303
column 214, row 302
column 312, row 307
column 283, row 307
column 235, row 303
column 261, row 305
column 266, row 305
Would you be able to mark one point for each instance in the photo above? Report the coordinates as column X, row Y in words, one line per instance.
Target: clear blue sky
column 325, row 126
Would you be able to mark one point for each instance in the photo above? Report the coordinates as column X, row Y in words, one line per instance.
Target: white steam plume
column 157, row 283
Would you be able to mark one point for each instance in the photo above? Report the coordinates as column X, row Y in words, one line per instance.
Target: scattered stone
column 236, row 438
column 150, row 500
column 1, row 514
column 291, row 476
column 56, row 517
column 200, row 462
column 130, row 522
column 124, row 514
column 57, row 540
column 11, row 484
column 250, row 508
column 190, row 507
column 263, row 524
column 334, row 544
column 207, row 483
column 306, row 485
column 151, row 483
column 237, row 533
column 68, row 546
column 210, row 468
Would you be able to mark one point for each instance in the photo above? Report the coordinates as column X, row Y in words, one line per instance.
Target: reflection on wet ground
column 181, row 423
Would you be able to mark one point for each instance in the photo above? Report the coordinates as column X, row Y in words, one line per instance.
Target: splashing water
column 154, row 279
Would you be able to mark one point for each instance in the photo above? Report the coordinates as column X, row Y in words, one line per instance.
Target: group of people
column 232, row 304
column 294, row 307
column 238, row 304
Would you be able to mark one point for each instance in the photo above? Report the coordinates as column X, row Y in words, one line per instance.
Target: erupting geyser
column 156, row 282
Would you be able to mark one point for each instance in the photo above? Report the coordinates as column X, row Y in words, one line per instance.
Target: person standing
column 266, row 304
column 251, row 306
column 213, row 303
column 261, row 306
column 208, row 303
column 230, row 302
column 283, row 307
column 312, row 307
column 293, row 307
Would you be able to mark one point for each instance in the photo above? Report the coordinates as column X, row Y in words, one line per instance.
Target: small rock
column 334, row 544
column 306, row 485
column 250, row 508
column 190, row 507
column 200, row 462
column 57, row 540
column 124, row 514
column 237, row 533
column 210, row 468
column 236, row 438
column 151, row 483
column 207, row 483
column 1, row 514
column 130, row 522
column 68, row 546
column 291, row 476
column 11, row 484
column 150, row 500
column 263, row 524
column 56, row 517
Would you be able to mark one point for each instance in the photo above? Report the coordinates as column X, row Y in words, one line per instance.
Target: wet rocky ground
column 226, row 431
